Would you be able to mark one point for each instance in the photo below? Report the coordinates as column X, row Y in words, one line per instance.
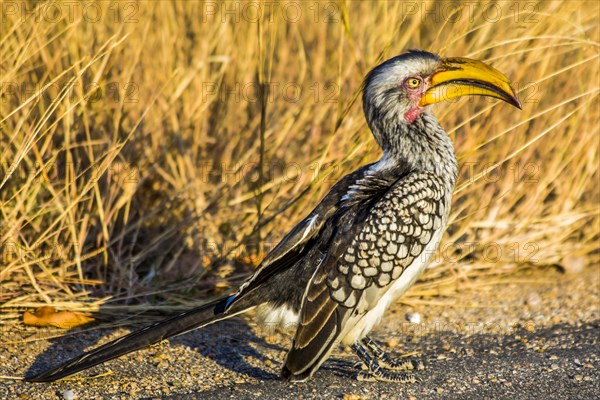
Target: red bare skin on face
column 412, row 114
column 415, row 110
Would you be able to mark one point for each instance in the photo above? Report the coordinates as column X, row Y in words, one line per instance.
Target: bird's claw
column 361, row 365
column 402, row 365
column 387, row 376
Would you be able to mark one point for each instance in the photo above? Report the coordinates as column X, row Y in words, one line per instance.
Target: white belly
column 270, row 318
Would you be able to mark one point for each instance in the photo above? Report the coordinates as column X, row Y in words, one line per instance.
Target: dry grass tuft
column 136, row 169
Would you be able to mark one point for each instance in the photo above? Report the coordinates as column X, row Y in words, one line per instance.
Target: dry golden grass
column 127, row 181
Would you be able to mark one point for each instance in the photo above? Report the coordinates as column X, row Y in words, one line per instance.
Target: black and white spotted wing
column 364, row 261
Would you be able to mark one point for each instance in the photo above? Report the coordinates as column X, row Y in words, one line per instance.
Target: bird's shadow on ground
column 228, row 343
column 231, row 348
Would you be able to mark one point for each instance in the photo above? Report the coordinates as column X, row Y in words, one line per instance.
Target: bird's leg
column 375, row 372
column 388, row 362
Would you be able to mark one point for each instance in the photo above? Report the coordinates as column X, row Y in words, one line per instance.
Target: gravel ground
column 525, row 340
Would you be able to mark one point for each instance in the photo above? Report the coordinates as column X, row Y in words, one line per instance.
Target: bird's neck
column 422, row 145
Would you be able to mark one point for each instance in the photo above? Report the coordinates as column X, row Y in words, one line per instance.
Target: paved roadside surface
column 538, row 338
column 483, row 367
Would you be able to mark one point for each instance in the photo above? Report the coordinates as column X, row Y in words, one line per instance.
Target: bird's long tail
column 198, row 317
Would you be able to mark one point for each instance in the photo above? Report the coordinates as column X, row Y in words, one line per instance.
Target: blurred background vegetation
column 152, row 152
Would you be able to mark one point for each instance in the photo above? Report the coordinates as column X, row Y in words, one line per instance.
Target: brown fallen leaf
column 48, row 316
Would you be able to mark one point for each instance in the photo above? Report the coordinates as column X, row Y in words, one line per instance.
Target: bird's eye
column 413, row 83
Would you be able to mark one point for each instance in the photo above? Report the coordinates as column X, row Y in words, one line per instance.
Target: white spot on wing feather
column 311, row 224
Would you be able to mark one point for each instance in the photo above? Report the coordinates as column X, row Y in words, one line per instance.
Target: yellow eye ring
column 413, row 83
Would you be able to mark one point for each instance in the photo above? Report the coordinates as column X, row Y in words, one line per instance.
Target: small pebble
column 554, row 366
column 415, row 317
column 573, row 265
column 578, row 378
column 553, row 357
column 534, row 301
column 68, row 394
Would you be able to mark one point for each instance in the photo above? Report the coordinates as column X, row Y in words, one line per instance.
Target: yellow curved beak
column 458, row 77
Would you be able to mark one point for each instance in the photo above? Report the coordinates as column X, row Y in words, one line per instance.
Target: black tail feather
column 302, row 362
column 198, row 317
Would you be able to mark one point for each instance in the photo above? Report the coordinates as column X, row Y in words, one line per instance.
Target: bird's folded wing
column 295, row 245
column 364, row 261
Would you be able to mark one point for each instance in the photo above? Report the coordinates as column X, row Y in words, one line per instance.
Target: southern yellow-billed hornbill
column 337, row 271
